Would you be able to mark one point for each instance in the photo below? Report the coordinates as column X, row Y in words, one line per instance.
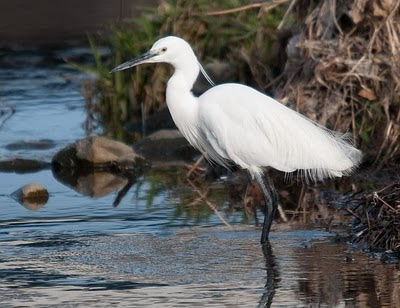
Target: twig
column 333, row 11
column 210, row 204
column 268, row 6
column 290, row 8
column 282, row 213
column 354, row 214
column 195, row 166
column 369, row 223
column 384, row 202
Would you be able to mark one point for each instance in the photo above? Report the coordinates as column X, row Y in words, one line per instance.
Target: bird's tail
column 348, row 160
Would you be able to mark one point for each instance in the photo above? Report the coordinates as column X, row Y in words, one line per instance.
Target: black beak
column 134, row 62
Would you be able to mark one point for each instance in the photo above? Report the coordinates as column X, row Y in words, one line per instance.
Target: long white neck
column 181, row 102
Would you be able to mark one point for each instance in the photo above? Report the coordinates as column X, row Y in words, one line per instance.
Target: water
column 162, row 246
column 45, row 93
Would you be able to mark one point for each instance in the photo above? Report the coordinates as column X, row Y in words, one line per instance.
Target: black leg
column 271, row 202
column 271, row 186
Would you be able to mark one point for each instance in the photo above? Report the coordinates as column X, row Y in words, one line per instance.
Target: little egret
column 233, row 123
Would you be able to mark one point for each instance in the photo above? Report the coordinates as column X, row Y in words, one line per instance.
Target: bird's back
column 253, row 130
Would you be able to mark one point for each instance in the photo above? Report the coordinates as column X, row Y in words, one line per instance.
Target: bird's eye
column 164, row 49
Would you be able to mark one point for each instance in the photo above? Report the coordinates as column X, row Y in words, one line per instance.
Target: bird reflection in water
column 272, row 276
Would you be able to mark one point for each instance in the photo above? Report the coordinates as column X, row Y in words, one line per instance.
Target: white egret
column 233, row 123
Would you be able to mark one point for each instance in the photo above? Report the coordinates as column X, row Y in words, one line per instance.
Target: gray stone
column 101, row 150
column 165, row 134
column 97, row 153
column 42, row 144
column 32, row 196
column 166, row 147
column 19, row 165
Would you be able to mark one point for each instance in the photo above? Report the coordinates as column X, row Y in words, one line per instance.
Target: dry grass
column 377, row 219
column 343, row 71
column 228, row 31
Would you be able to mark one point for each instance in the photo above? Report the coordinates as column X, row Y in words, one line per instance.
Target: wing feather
column 254, row 131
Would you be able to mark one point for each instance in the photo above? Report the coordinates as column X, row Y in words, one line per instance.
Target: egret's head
column 170, row 49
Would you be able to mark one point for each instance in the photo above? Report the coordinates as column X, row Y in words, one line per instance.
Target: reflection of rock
column 32, row 196
column 99, row 184
column 19, row 165
column 97, row 153
column 95, row 183
column 166, row 146
column 96, row 166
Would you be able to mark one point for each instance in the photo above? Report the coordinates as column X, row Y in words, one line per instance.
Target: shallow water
column 162, row 246
column 45, row 93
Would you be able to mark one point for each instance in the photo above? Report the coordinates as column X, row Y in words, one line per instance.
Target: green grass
column 126, row 96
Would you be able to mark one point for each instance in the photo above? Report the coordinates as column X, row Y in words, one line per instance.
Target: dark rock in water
column 96, row 166
column 164, row 134
column 97, row 153
column 166, row 146
column 43, row 144
column 159, row 120
column 19, row 165
column 32, row 196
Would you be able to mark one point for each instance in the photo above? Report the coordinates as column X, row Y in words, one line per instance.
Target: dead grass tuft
column 343, row 71
column 377, row 219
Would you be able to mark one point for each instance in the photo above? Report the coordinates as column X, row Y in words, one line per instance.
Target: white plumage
column 235, row 123
column 255, row 131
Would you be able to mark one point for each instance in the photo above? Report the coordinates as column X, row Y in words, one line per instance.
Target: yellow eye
column 164, row 49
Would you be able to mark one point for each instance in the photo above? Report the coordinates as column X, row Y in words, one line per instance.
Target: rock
column 165, row 147
column 32, row 196
column 42, row 144
column 158, row 120
column 101, row 150
column 96, row 166
column 19, row 165
column 97, row 153
column 165, row 134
